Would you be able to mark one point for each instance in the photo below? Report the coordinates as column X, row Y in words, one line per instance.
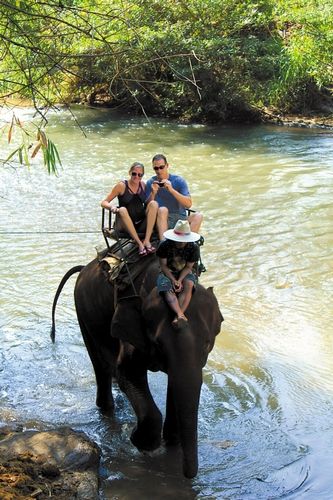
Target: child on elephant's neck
column 176, row 282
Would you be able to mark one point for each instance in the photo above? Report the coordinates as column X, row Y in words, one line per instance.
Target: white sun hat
column 181, row 232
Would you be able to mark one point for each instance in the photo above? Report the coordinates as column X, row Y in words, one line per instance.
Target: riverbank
column 58, row 463
column 309, row 120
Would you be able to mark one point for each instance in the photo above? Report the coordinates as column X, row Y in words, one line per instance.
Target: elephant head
column 149, row 342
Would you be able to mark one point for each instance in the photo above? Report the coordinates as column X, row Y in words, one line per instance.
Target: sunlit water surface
column 266, row 412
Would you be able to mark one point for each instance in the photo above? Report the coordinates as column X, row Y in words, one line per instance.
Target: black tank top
column 134, row 202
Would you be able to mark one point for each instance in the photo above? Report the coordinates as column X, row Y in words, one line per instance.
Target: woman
column 133, row 216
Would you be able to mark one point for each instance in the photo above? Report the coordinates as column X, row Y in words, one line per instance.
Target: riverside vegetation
column 202, row 60
column 209, row 61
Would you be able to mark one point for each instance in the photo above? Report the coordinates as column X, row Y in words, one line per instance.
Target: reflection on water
column 265, row 424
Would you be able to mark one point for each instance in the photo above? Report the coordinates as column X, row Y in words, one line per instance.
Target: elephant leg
column 104, row 397
column 102, row 360
column 133, row 381
column 171, row 425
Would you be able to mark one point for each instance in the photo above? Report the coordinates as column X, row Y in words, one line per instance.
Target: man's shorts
column 164, row 284
column 173, row 218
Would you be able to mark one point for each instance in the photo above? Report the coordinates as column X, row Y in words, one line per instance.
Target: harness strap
column 115, row 294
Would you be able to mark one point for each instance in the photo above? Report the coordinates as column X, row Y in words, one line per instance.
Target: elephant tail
column 76, row 269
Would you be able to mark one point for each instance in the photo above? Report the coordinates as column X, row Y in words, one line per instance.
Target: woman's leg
column 151, row 214
column 128, row 225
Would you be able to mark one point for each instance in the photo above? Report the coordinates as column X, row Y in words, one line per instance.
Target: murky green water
column 266, row 414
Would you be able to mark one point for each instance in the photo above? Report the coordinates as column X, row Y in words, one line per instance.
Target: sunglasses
column 134, row 174
column 159, row 168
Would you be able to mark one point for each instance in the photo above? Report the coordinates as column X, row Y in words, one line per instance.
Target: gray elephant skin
column 128, row 336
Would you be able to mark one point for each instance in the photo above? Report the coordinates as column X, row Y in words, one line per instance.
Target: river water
column 266, row 411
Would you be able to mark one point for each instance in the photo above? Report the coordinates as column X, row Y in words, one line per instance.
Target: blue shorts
column 164, row 284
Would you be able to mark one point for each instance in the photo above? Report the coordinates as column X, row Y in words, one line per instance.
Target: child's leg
column 186, row 294
column 173, row 303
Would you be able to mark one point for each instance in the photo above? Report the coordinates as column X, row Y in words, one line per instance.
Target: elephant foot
column 145, row 438
column 106, row 405
column 107, row 412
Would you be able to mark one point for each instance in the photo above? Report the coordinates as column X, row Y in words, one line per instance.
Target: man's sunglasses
column 159, row 168
column 134, row 174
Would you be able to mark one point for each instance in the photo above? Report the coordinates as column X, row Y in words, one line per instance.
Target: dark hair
column 137, row 164
column 159, row 157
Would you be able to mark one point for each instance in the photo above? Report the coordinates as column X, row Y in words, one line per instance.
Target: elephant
column 127, row 334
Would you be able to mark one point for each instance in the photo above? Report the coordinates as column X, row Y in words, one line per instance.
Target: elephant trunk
column 189, row 440
column 186, row 387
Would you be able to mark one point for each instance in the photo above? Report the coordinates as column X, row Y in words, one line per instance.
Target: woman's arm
column 117, row 190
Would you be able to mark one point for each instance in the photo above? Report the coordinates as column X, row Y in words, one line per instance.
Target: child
column 177, row 254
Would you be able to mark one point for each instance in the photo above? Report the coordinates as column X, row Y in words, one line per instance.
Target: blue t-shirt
column 165, row 199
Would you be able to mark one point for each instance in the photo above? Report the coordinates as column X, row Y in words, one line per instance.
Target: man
column 173, row 197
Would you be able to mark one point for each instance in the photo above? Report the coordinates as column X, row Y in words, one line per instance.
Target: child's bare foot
column 179, row 321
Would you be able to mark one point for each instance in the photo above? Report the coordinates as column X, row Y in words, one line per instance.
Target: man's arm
column 181, row 194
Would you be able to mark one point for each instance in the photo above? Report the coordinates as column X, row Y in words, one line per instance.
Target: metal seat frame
column 122, row 238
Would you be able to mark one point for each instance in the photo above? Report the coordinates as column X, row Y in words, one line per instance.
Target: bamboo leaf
column 18, row 122
column 10, row 131
column 57, row 154
column 51, row 152
column 46, row 159
column 42, row 137
column 53, row 157
column 36, row 149
column 13, row 153
column 20, row 155
column 26, row 156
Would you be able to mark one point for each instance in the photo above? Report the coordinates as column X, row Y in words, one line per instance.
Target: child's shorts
column 164, row 284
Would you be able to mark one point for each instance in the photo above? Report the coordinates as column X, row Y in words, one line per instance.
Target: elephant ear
column 217, row 317
column 127, row 322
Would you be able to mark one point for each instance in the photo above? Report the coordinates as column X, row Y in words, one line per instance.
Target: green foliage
column 306, row 65
column 206, row 60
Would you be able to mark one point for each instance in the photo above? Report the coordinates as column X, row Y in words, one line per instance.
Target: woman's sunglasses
column 134, row 174
column 159, row 168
